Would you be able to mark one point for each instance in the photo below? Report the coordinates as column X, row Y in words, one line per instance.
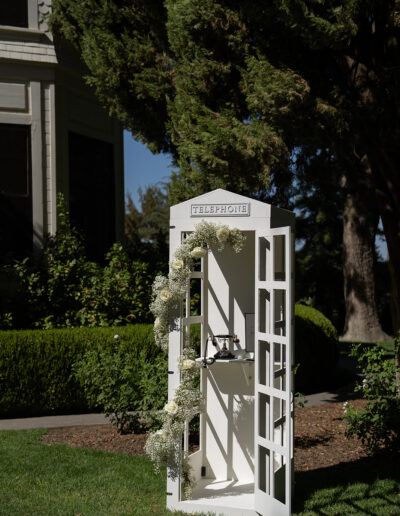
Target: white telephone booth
column 244, row 463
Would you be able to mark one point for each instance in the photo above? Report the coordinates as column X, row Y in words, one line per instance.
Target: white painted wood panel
column 234, row 425
column 13, row 96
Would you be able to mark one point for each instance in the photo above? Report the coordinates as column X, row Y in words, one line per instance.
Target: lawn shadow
column 368, row 486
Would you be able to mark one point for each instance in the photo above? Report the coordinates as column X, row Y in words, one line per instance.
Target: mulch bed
column 319, row 438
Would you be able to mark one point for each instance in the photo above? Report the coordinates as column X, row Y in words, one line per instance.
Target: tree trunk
column 386, row 178
column 360, row 220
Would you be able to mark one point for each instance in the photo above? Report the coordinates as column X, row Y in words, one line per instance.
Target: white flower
column 188, row 364
column 161, row 433
column 177, row 264
column 364, row 383
column 222, row 234
column 345, row 405
column 165, row 294
column 171, row 407
column 157, row 323
column 198, row 252
column 116, row 337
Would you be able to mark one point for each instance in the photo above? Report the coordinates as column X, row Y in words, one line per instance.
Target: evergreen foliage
column 147, row 227
column 37, row 369
column 316, row 349
column 231, row 89
column 319, row 229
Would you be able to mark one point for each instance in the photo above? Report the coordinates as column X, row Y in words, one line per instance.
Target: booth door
column 273, row 363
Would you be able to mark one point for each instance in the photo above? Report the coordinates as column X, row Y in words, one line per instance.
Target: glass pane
column 264, row 415
column 263, row 473
column 194, row 434
column 14, row 13
column 195, row 337
column 279, row 366
column 279, row 258
column 92, row 192
column 279, row 477
column 16, row 230
column 280, row 312
column 264, row 362
column 263, row 310
column 279, row 421
column 195, row 296
column 264, row 253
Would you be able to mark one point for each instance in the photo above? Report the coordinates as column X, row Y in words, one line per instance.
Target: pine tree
column 231, row 88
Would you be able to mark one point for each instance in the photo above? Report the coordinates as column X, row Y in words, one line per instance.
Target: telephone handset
column 223, row 353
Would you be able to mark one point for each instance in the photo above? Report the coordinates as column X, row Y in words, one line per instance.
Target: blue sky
column 142, row 168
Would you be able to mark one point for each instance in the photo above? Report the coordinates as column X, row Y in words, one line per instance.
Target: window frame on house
column 16, row 206
column 30, row 15
column 92, row 192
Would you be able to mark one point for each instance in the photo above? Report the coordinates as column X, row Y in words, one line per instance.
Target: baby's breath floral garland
column 163, row 446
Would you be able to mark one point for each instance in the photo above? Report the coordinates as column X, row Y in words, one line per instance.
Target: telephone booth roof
column 234, row 209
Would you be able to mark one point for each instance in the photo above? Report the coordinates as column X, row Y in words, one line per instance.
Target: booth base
column 221, row 497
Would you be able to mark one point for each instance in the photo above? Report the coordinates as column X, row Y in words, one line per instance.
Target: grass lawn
column 38, row 479
column 345, row 347
column 356, row 489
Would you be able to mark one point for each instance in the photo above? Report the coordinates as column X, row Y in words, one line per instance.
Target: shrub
column 36, row 366
column 316, row 349
column 61, row 288
column 378, row 424
column 121, row 379
column 49, row 284
column 118, row 294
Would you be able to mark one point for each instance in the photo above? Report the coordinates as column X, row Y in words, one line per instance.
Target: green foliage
column 118, row 294
column 147, row 228
column 50, row 284
column 125, row 381
column 124, row 44
column 129, row 382
column 40, row 479
column 35, row 371
column 36, row 366
column 61, row 288
column 316, row 349
column 319, row 228
column 378, row 424
column 234, row 91
column 6, row 321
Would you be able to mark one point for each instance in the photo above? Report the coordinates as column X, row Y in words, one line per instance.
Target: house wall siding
column 41, row 52
column 44, row 89
column 48, row 152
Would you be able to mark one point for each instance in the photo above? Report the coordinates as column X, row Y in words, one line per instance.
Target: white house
column 54, row 137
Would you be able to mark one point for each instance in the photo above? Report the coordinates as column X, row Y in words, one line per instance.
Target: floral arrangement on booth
column 163, row 446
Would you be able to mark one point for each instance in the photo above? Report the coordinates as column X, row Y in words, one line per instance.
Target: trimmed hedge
column 316, row 349
column 36, row 365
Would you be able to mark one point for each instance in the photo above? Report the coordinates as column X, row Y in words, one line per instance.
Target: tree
column 335, row 222
column 230, row 88
column 319, row 222
column 147, row 229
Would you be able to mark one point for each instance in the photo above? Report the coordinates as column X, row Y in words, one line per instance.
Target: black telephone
column 223, row 353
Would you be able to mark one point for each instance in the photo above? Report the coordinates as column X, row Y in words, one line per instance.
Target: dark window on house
column 15, row 192
column 14, row 13
column 92, row 193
